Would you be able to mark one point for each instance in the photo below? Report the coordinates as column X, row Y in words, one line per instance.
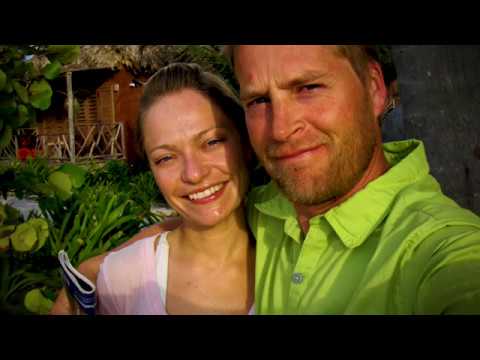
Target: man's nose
column 285, row 121
column 194, row 169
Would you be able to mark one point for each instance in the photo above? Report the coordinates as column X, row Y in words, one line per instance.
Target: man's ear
column 377, row 88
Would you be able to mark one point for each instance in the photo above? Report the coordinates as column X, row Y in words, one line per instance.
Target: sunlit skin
column 192, row 146
column 312, row 122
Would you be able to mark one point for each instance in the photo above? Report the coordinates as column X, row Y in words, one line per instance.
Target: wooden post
column 71, row 126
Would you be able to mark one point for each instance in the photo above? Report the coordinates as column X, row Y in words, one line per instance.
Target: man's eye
column 310, row 87
column 258, row 101
column 215, row 141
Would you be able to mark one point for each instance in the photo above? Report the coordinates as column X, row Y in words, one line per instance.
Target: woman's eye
column 163, row 160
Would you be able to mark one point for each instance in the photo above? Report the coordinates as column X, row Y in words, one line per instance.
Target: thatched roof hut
column 146, row 59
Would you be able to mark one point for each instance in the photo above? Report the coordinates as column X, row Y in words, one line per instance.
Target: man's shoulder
column 426, row 197
column 421, row 211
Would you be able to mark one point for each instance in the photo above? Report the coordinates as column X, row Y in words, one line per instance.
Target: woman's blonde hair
column 178, row 76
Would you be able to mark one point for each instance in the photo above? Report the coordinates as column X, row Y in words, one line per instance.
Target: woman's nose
column 194, row 169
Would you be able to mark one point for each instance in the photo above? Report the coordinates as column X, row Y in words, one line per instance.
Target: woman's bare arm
column 90, row 268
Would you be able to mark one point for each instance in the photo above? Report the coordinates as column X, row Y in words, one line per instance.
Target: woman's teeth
column 206, row 193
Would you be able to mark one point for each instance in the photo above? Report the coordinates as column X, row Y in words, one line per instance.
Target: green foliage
column 211, row 59
column 106, row 205
column 3, row 79
column 37, row 303
column 76, row 173
column 61, row 184
column 40, row 94
column 25, row 72
column 24, row 178
column 9, row 218
column 65, row 54
column 52, row 70
column 30, row 236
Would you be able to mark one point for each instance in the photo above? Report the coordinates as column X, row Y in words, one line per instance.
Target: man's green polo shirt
column 399, row 246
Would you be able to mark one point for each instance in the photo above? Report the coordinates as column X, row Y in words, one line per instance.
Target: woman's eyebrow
column 195, row 137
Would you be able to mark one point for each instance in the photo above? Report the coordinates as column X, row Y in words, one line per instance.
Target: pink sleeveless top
column 133, row 280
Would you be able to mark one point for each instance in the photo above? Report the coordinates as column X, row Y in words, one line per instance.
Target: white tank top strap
column 162, row 266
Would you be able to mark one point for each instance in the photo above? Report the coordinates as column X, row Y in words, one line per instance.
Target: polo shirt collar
column 355, row 219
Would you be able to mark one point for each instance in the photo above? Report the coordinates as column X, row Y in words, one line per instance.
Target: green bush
column 86, row 211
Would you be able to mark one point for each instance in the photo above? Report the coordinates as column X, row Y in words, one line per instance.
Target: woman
column 191, row 127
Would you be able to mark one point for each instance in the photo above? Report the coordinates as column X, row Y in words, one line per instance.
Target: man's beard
column 348, row 160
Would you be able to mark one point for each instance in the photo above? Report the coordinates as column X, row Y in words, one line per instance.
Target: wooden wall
column 112, row 101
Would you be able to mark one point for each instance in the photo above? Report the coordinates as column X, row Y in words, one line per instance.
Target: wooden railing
column 95, row 141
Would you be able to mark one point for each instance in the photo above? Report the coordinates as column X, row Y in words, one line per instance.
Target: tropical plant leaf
column 24, row 237
column 77, row 174
column 63, row 53
column 23, row 115
column 9, row 215
column 40, row 94
column 4, row 243
column 21, row 91
column 52, row 70
column 3, row 79
column 62, row 184
column 5, row 136
column 8, row 105
column 41, row 228
column 32, row 71
column 32, row 114
column 37, row 303
column 19, row 68
column 8, row 88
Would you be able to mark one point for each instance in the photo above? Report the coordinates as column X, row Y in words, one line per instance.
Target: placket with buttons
column 313, row 248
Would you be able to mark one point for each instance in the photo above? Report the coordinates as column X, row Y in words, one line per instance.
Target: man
column 347, row 226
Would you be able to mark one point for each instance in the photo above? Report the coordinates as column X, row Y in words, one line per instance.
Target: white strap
column 162, row 267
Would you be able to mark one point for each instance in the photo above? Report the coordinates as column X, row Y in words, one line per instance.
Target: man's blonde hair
column 358, row 55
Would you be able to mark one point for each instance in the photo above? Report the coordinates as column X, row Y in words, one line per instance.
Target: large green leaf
column 21, row 91
column 40, row 94
column 24, row 238
column 19, row 68
column 44, row 189
column 3, row 79
column 52, row 70
column 4, row 243
column 1, row 124
column 3, row 213
column 37, row 303
column 5, row 136
column 63, row 53
column 62, row 184
column 32, row 71
column 8, row 105
column 23, row 115
column 12, row 215
column 32, row 115
column 8, row 88
column 77, row 174
column 41, row 228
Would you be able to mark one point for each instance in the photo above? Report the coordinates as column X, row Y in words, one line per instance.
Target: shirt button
column 297, row 278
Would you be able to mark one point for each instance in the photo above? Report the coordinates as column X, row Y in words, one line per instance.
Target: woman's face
column 196, row 157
